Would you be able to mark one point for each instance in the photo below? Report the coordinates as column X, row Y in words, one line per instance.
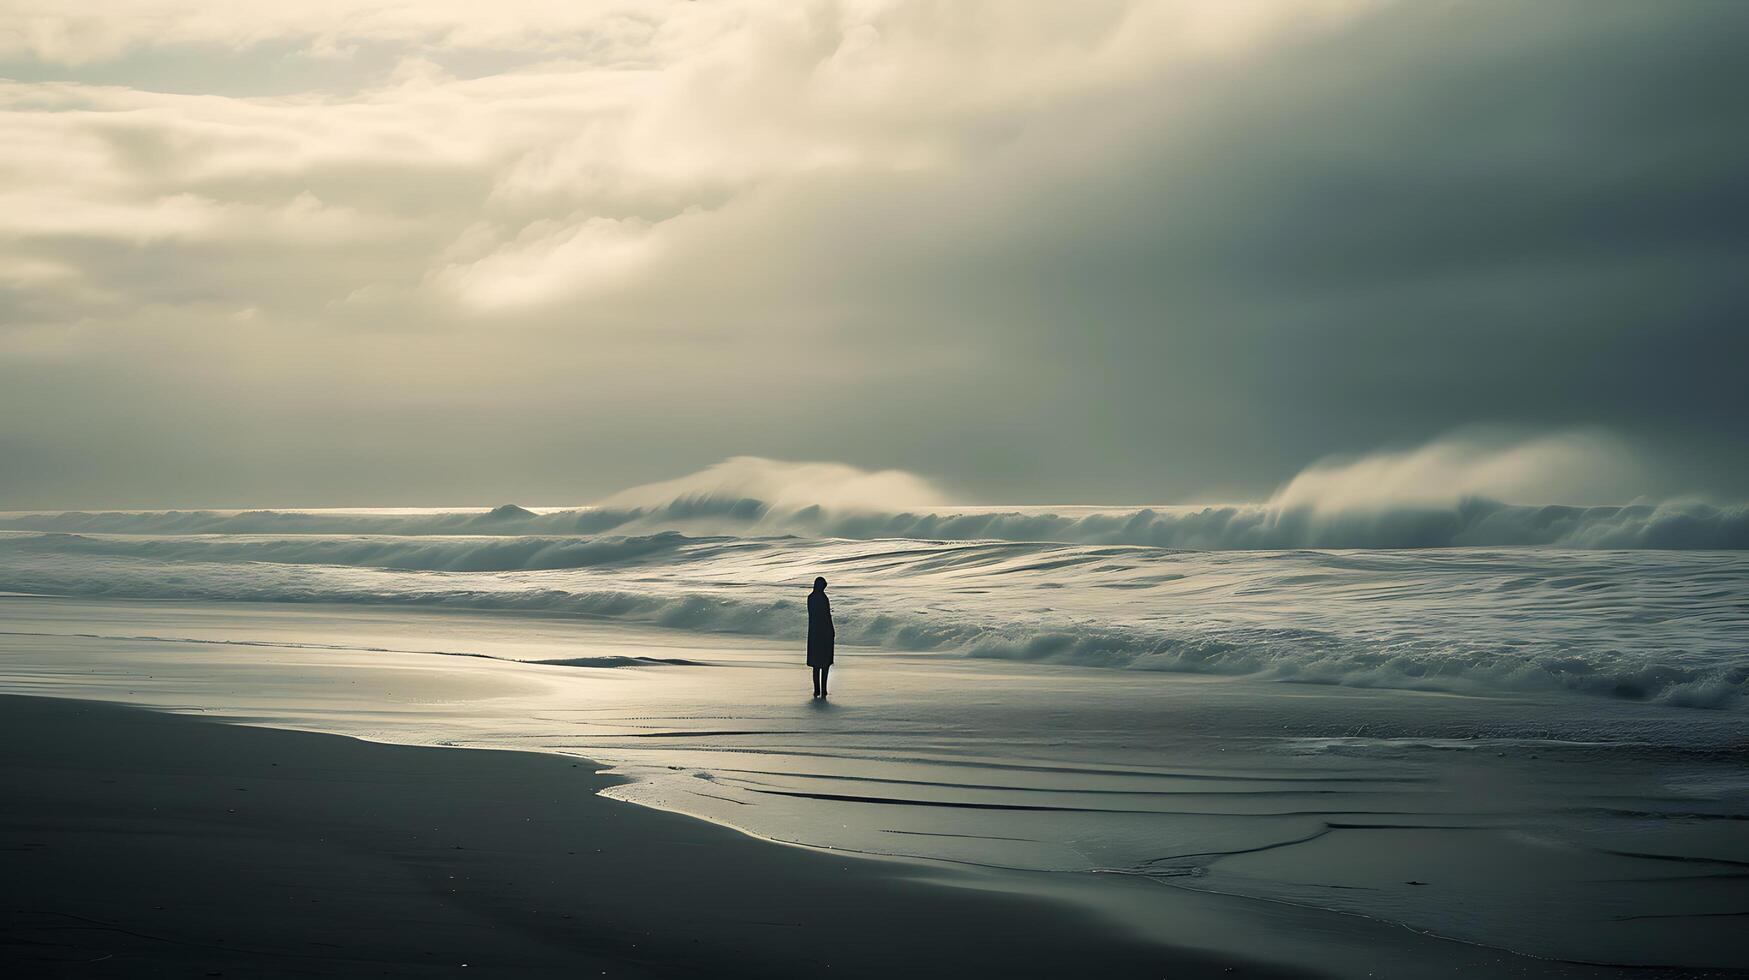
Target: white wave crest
column 1580, row 467
column 1452, row 492
column 781, row 486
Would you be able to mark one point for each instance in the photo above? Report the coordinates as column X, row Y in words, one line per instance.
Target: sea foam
column 1642, row 625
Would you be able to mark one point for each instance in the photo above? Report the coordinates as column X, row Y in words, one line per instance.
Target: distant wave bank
column 1473, row 523
column 1448, row 493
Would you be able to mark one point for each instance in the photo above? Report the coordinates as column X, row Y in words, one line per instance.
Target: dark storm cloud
column 1142, row 276
column 1451, row 214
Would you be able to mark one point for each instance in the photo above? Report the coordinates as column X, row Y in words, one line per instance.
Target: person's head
column 820, row 584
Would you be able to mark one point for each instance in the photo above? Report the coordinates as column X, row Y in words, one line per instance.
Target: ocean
column 1453, row 722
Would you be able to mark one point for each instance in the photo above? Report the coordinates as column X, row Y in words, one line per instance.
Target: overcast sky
column 333, row 253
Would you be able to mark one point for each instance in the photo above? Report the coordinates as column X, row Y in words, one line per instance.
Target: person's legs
column 824, row 673
column 816, row 672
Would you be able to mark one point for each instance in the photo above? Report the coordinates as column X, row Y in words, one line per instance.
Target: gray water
column 1536, row 752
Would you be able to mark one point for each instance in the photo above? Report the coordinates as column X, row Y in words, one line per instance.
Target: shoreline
column 160, row 843
column 1171, row 813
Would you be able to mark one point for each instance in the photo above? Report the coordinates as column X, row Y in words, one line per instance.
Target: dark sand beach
column 147, row 844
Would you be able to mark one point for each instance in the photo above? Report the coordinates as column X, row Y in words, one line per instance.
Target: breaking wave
column 1449, row 493
column 1469, row 523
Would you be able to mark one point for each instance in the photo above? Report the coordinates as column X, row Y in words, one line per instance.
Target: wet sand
column 143, row 844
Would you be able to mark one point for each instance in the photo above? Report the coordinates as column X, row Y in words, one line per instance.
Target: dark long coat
column 820, row 632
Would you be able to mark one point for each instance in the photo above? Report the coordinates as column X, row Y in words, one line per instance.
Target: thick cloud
column 1112, row 251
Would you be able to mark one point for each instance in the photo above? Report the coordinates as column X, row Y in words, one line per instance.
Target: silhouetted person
column 820, row 636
